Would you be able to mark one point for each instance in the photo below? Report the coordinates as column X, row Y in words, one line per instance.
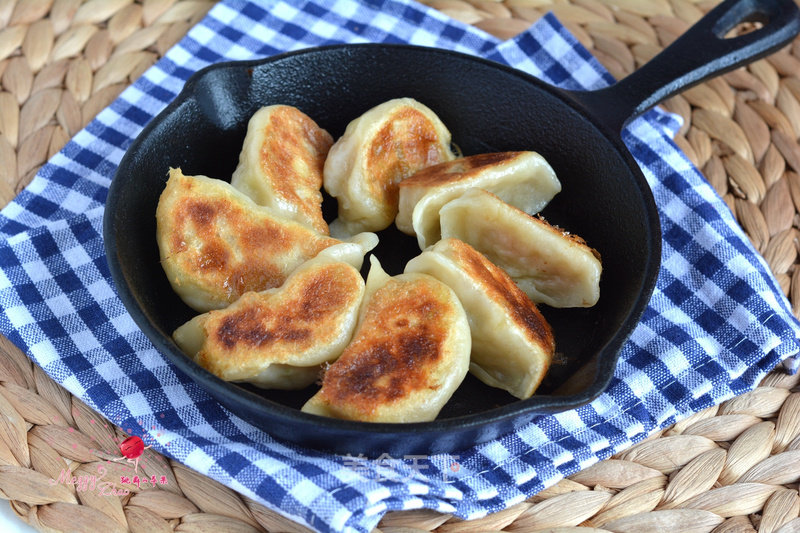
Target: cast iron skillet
column 487, row 107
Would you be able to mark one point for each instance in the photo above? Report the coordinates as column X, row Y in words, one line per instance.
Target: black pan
column 487, row 107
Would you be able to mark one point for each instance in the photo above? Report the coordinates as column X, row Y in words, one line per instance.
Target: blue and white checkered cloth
column 717, row 322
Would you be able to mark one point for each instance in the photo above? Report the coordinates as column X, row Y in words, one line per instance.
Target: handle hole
column 741, row 20
column 743, row 28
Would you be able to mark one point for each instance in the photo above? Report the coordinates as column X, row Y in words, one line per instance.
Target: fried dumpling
column 512, row 343
column 216, row 244
column 280, row 165
column 523, row 179
column 408, row 355
column 549, row 264
column 385, row 145
column 278, row 338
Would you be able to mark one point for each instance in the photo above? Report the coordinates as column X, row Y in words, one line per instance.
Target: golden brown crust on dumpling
column 458, row 169
column 406, row 142
column 408, row 354
column 501, row 289
column 385, row 145
column 396, row 346
column 512, row 343
column 281, row 163
column 308, row 310
column 281, row 326
column 216, row 244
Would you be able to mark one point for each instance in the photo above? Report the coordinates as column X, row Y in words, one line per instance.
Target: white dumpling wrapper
column 523, row 179
column 379, row 149
column 512, row 343
column 549, row 264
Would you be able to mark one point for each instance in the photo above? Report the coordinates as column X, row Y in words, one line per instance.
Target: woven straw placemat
column 730, row 468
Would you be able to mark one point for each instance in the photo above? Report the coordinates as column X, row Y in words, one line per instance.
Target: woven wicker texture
column 730, row 468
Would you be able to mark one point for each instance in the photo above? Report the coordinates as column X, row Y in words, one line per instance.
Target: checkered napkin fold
column 716, row 324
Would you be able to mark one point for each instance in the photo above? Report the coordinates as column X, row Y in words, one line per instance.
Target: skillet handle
column 698, row 55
